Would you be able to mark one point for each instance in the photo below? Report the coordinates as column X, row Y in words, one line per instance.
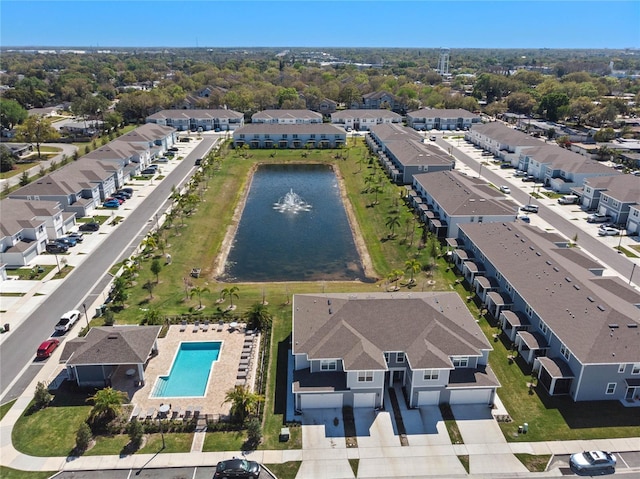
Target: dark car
column 504, row 166
column 127, row 190
column 56, row 248
column 198, row 161
column 529, row 178
column 593, row 462
column 123, row 193
column 148, row 171
column 47, row 347
column 121, row 196
column 237, row 468
column 89, row 226
column 174, row 148
column 65, row 240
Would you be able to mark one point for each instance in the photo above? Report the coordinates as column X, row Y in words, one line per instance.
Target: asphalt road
column 87, row 280
column 607, row 255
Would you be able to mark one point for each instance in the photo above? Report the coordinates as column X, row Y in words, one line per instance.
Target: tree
column 118, row 293
column 107, row 404
column 136, row 433
column 259, row 317
column 243, row 402
column 604, row 134
column 550, row 104
column 156, row 267
column 37, row 129
column 152, row 316
column 198, row 291
column 392, row 223
column 230, row 293
column 42, row 397
column 520, row 102
column 413, row 266
column 6, row 159
column 24, row 178
column 11, row 113
column 83, row 437
column 149, row 244
column 395, row 276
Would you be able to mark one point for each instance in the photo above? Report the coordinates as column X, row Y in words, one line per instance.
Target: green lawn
column 8, row 473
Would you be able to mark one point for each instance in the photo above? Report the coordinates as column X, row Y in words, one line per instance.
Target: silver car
column 593, row 462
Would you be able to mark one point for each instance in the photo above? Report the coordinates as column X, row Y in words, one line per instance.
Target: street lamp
column 85, row 314
column 58, row 263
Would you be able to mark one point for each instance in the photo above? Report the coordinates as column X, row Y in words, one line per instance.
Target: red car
column 47, row 347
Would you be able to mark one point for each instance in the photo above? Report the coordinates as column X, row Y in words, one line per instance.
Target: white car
column 67, row 321
column 524, row 218
column 505, row 189
column 593, row 462
column 608, row 231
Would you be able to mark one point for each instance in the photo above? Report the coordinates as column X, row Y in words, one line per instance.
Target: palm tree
column 258, row 316
column 197, row 290
column 230, row 293
column 393, row 221
column 413, row 266
column 394, row 276
column 107, row 404
column 243, row 402
column 149, row 244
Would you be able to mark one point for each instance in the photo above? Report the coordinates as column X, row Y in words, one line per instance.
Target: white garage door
column 364, row 400
column 428, row 398
column 470, row 396
column 317, row 401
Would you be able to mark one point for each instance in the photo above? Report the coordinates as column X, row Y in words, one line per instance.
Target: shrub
column 42, row 396
column 136, row 433
column 83, row 438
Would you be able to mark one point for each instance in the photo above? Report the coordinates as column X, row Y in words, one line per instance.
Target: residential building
column 25, row 228
column 505, row 143
column 446, row 199
column 612, row 195
column 311, row 135
column 286, row 117
column 195, row 120
column 363, row 120
column 577, row 329
column 348, row 348
column 379, row 100
column 441, row 119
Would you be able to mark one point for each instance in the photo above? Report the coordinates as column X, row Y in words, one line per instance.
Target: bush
column 42, row 396
column 136, row 433
column 254, row 432
column 83, row 438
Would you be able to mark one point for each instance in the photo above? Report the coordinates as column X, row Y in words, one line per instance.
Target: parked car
column 148, row 171
column 519, row 173
column 119, row 200
column 79, row 237
column 505, row 189
column 174, row 148
column 111, row 204
column 237, row 468
column 127, row 190
column 120, row 197
column 524, row 218
column 432, row 138
column 505, row 166
column 598, row 218
column 529, row 208
column 124, row 193
column 593, row 462
column 608, row 231
column 65, row 240
column 56, row 248
column 89, row 226
column 67, row 321
column 162, row 160
column 47, row 347
column 568, row 200
column 529, row 178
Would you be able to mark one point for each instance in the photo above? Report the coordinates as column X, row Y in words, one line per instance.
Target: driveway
column 484, row 442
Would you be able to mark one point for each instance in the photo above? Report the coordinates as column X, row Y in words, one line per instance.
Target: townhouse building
column 578, row 330
column 286, row 117
column 310, row 135
column 348, row 348
column 612, row 195
column 198, row 120
column 441, row 119
column 363, row 120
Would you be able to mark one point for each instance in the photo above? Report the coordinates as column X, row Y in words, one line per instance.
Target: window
column 621, row 368
column 543, row 327
column 431, row 375
column 284, row 135
column 365, row 376
column 386, row 358
column 328, row 365
column 635, row 369
column 565, row 352
column 528, row 310
column 461, row 362
column 400, row 357
column 611, row 388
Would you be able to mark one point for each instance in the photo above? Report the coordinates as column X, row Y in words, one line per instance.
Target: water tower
column 443, row 62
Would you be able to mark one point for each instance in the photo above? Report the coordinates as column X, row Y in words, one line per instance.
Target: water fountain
column 291, row 202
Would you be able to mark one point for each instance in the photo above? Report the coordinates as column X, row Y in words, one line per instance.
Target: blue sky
column 328, row 23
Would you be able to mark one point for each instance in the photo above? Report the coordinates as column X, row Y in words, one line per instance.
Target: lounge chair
column 177, row 413
column 220, row 326
column 196, row 411
column 150, row 412
column 135, row 413
column 196, row 326
column 205, row 326
column 187, row 413
column 183, row 326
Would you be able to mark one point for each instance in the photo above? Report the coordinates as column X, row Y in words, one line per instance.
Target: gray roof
column 149, row 132
column 117, row 150
column 195, row 113
column 375, row 113
column 560, row 291
column 18, row 214
column 442, row 113
column 559, row 158
column 411, row 152
column 111, row 345
column 624, row 188
column 267, row 115
column 428, row 327
column 503, row 134
column 278, row 129
column 388, row 132
column 461, row 195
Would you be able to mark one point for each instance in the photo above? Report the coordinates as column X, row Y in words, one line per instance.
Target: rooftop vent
column 555, row 268
column 632, row 325
column 613, row 326
column 567, row 279
column 590, row 299
column 601, row 308
column 576, row 286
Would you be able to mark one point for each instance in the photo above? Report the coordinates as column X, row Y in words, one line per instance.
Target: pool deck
column 223, row 377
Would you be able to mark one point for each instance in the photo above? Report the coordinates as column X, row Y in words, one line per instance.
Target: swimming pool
column 190, row 371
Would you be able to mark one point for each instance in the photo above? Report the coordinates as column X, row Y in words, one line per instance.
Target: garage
column 470, row 396
column 364, row 400
column 428, row 398
column 319, row 401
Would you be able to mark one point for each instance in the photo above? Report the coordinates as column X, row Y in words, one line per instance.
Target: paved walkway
column 67, row 149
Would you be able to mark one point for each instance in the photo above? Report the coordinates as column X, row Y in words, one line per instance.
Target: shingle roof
column 441, row 113
column 278, row 129
column 18, row 214
column 195, row 113
column 560, row 291
column 428, row 327
column 460, row 195
column 503, row 134
column 288, row 114
column 375, row 113
column 624, row 188
column 411, row 152
column 112, row 345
